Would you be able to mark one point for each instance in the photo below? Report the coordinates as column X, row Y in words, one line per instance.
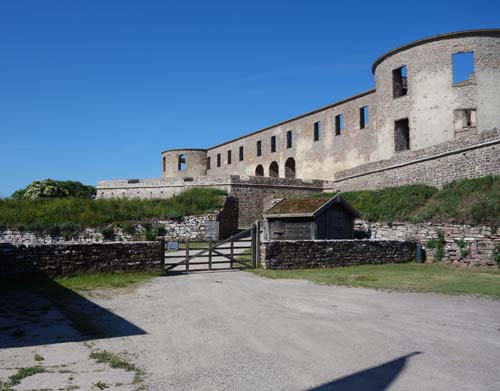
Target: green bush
column 108, row 233
column 129, row 228
column 496, row 253
column 50, row 188
column 463, row 247
column 150, row 234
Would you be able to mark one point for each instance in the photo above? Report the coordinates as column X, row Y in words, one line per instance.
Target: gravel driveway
column 235, row 331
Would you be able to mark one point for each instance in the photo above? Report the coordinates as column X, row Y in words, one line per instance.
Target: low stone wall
column 67, row 259
column 480, row 240
column 188, row 228
column 301, row 254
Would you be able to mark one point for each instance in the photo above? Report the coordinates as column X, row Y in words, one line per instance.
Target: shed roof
column 307, row 207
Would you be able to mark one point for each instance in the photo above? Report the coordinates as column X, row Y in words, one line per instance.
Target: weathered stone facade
column 55, row 260
column 302, row 254
column 428, row 104
column 479, row 240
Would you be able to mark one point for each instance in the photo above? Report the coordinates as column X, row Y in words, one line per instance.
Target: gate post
column 210, row 255
column 254, row 258
column 231, row 256
column 187, row 255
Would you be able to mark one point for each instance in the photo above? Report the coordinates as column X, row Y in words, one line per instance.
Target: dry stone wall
column 55, row 260
column 478, row 241
column 301, row 254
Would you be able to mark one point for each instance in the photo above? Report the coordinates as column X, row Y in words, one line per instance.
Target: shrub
column 150, row 234
column 50, row 188
column 129, row 228
column 108, row 233
column 160, row 231
column 437, row 245
column 496, row 253
column 463, row 246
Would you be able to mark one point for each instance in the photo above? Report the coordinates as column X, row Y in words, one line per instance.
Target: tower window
column 229, row 157
column 400, row 81
column 164, row 164
column 401, row 135
column 209, row 163
column 218, row 160
column 181, row 164
column 363, row 117
column 241, row 154
column 339, row 124
column 465, row 119
column 463, row 67
column 259, row 148
column 273, row 144
column 317, row 131
column 289, row 139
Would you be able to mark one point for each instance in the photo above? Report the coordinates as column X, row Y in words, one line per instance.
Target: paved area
column 235, row 331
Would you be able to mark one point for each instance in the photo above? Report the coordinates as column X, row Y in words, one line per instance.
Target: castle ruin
column 433, row 117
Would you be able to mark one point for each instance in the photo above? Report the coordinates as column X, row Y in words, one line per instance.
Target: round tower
column 437, row 89
column 182, row 163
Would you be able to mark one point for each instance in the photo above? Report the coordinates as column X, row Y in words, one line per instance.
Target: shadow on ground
column 41, row 312
column 372, row 379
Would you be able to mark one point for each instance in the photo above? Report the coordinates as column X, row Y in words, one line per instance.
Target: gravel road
column 235, row 331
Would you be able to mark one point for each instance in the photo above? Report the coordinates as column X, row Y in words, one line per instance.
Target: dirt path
column 236, row 331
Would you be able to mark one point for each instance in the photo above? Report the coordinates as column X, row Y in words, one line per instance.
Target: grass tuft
column 23, row 373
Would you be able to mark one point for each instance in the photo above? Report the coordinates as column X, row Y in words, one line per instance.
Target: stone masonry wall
column 67, row 259
column 473, row 156
column 301, row 254
column 480, row 239
column 188, row 228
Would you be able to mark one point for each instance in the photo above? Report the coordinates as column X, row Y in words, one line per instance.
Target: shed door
column 337, row 224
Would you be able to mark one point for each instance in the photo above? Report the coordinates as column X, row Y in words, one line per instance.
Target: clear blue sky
column 96, row 89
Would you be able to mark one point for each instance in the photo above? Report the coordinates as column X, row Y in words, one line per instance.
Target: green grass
column 114, row 361
column 23, row 373
column 468, row 200
column 88, row 282
column 71, row 213
column 402, row 277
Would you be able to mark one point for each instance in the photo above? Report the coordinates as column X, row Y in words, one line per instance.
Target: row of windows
column 462, row 71
column 339, row 128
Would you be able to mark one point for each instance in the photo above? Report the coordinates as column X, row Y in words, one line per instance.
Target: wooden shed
column 310, row 218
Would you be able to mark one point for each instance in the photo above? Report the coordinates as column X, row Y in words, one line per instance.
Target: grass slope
column 403, row 277
column 46, row 214
column 469, row 201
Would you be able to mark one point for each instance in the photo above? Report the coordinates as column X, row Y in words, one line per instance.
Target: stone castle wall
column 480, row 240
column 302, row 254
column 55, row 260
column 473, row 156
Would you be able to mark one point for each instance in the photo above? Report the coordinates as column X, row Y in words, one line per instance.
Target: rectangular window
column 164, row 164
column 401, row 135
column 259, row 148
column 317, row 131
column 241, row 154
column 273, row 144
column 228, row 157
column 463, row 67
column 289, row 139
column 363, row 117
column 465, row 119
column 400, row 81
column 339, row 124
column 218, row 160
column 209, row 163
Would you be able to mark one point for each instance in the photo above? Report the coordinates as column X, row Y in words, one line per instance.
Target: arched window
column 274, row 170
column 259, row 170
column 290, row 168
column 182, row 162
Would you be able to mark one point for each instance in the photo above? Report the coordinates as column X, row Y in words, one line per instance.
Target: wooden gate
column 239, row 251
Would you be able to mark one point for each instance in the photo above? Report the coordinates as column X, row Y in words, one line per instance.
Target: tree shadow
column 39, row 311
column 372, row 379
